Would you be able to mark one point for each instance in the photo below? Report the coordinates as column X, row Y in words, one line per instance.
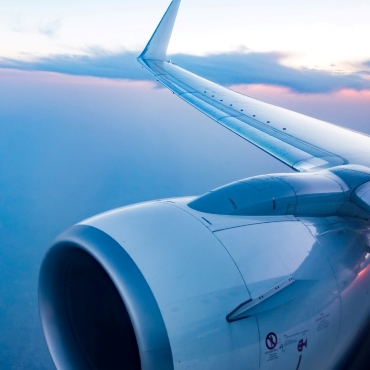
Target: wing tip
column 158, row 43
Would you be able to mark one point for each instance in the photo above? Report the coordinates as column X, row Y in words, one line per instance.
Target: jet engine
column 270, row 272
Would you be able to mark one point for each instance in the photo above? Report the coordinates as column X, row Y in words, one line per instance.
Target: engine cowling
column 161, row 285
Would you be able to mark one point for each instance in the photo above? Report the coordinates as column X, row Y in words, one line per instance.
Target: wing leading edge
column 301, row 142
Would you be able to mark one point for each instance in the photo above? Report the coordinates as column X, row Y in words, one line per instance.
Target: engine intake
column 92, row 316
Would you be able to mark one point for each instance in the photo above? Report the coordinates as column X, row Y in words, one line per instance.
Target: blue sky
column 84, row 129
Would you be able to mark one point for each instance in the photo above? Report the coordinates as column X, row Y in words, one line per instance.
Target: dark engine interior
column 97, row 316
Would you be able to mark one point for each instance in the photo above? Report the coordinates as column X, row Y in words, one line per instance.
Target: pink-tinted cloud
column 346, row 107
column 41, row 77
column 225, row 68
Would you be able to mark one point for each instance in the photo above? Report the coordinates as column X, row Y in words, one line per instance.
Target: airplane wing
column 301, row 142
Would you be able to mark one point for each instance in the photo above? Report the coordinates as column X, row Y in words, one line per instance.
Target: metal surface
column 362, row 196
column 198, row 276
column 266, row 254
column 338, row 191
column 194, row 280
column 250, row 308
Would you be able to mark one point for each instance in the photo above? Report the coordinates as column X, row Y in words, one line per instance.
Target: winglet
column 158, row 43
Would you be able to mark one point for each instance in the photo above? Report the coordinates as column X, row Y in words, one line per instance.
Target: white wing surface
column 301, row 142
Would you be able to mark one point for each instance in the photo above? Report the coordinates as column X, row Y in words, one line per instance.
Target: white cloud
column 50, row 28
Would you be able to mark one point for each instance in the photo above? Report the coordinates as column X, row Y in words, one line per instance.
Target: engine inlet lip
column 149, row 327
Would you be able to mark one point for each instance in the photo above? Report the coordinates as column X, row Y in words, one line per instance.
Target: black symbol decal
column 299, row 362
column 271, row 340
column 302, row 344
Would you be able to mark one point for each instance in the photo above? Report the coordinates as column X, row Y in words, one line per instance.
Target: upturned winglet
column 158, row 43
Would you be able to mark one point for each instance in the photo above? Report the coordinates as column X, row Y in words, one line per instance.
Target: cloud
column 50, row 28
column 266, row 68
column 225, row 68
column 114, row 66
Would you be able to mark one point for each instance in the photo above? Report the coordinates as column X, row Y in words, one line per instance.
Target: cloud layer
column 224, row 68
column 266, row 68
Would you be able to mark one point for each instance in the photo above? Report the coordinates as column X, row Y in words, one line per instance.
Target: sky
column 83, row 129
column 329, row 35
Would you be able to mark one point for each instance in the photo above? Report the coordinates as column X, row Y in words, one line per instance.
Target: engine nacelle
column 161, row 285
